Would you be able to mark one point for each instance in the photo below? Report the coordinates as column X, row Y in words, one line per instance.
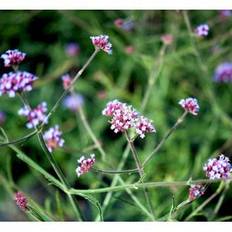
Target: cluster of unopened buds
column 218, row 168
column 21, row 201
column 196, row 191
column 53, row 138
column 223, row 73
column 101, row 42
column 202, row 30
column 190, row 105
column 125, row 116
column 66, row 79
column 34, row 116
column 85, row 164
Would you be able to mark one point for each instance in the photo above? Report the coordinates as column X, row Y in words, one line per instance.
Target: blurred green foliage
column 43, row 35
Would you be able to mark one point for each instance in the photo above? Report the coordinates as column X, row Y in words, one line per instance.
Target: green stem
column 53, row 162
column 91, row 133
column 153, row 77
column 21, row 140
column 166, row 136
column 115, row 172
column 138, row 186
column 141, row 172
column 71, row 85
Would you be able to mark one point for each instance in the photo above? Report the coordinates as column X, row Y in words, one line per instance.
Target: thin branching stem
column 139, row 186
column 141, row 172
column 53, row 163
column 115, row 172
column 21, row 140
column 80, row 72
column 164, row 139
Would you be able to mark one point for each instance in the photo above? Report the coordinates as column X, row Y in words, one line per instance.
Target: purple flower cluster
column 125, row 116
column 202, row 30
column 73, row 102
column 66, row 81
column 218, row 168
column 196, row 191
column 102, row 42
column 34, row 116
column 126, row 25
column 53, row 139
column 84, row 165
column 21, row 201
column 16, row 82
column 223, row 73
column 190, row 105
column 13, row 57
column 72, row 49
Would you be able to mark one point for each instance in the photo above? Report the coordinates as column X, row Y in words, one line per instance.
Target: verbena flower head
column 167, row 39
column 102, row 42
column 190, row 105
column 34, row 116
column 2, row 117
column 72, row 49
column 225, row 14
column 218, row 168
column 67, row 80
column 202, row 30
column 13, row 57
column 126, row 25
column 196, row 191
column 85, row 164
column 125, row 117
column 53, row 138
column 223, row 73
column 21, row 201
column 143, row 125
column 73, row 102
column 16, row 82
column 111, row 107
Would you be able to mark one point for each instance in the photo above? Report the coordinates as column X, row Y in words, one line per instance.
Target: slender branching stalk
column 164, row 139
column 207, row 201
column 140, row 170
column 71, row 85
column 139, row 186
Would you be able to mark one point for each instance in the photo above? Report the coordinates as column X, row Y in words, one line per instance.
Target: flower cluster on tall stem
column 124, row 117
column 21, row 201
column 34, row 116
column 202, row 30
column 190, row 105
column 53, row 138
column 101, row 42
column 85, row 164
column 13, row 57
column 218, row 168
column 223, row 73
column 196, row 191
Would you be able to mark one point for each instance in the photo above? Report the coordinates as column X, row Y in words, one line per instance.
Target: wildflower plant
column 133, row 128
